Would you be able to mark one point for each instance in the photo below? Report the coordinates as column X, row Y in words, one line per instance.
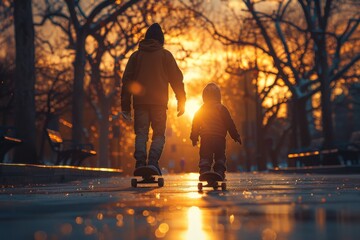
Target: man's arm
column 175, row 78
column 128, row 77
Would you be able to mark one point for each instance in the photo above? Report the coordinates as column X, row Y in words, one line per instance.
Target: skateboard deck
column 147, row 173
column 212, row 179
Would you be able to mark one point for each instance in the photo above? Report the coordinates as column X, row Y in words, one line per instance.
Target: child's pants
column 212, row 147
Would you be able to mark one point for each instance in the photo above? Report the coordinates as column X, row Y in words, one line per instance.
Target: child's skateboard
column 212, row 179
column 147, row 173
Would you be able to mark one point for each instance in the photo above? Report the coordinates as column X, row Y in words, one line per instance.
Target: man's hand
column 180, row 108
column 126, row 115
column 194, row 143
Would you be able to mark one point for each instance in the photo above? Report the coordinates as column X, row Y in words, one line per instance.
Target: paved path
column 255, row 206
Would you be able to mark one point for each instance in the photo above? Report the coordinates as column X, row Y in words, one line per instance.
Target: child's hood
column 211, row 94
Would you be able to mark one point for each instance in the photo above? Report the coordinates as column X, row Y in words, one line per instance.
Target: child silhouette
column 212, row 122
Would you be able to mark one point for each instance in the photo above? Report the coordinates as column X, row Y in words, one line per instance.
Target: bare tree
column 6, row 91
column 326, row 65
column 25, row 82
column 6, row 15
column 309, row 54
column 78, row 20
column 109, row 36
column 7, row 62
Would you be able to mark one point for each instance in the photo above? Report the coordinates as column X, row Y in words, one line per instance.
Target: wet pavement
column 254, row 206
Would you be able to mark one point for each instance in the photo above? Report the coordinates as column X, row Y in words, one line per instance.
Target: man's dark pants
column 146, row 116
column 212, row 147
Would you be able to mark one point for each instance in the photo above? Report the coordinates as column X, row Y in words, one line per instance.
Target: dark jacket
column 148, row 74
column 213, row 118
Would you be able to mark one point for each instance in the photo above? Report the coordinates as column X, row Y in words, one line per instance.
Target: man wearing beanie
column 146, row 79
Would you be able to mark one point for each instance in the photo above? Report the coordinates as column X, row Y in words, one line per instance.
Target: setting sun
column 192, row 105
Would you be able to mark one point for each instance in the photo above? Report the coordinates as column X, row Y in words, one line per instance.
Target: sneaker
column 204, row 170
column 140, row 164
column 156, row 165
column 222, row 174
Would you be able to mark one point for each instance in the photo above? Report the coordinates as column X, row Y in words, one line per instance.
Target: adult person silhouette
column 146, row 80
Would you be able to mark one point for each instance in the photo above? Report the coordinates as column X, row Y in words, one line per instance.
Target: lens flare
column 192, row 105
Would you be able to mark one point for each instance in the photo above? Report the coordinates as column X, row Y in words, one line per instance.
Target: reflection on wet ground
column 255, row 206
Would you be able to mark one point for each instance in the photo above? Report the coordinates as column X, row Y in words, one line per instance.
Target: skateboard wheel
column 200, row 186
column 161, row 182
column 134, row 182
column 223, row 186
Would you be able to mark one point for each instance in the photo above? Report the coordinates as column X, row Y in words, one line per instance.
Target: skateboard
column 147, row 173
column 212, row 179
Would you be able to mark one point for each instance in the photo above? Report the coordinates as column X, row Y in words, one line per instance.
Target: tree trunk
column 294, row 142
column 104, row 160
column 303, row 123
column 78, row 88
column 24, row 83
column 321, row 59
column 300, row 127
column 260, row 148
column 326, row 115
column 326, row 111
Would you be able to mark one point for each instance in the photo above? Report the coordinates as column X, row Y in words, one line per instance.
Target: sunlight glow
column 280, row 219
column 193, row 195
column 195, row 227
column 192, row 105
column 65, row 167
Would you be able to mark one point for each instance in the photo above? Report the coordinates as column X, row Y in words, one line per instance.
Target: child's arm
column 195, row 129
column 231, row 125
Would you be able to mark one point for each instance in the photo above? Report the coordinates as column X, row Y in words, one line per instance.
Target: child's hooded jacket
column 212, row 118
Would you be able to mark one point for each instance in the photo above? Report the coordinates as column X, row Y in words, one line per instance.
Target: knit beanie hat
column 211, row 93
column 155, row 32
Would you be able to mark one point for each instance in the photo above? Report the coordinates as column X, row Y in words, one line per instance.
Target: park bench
column 7, row 141
column 309, row 156
column 68, row 153
column 316, row 154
